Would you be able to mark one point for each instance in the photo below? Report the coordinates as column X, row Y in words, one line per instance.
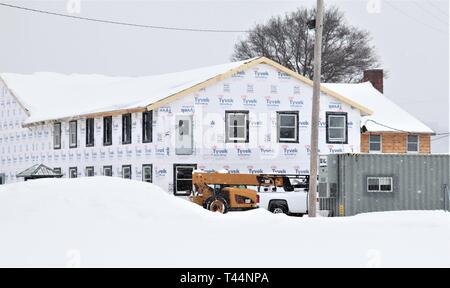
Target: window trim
column 57, row 170
column 175, row 166
column 330, row 141
column 150, row 113
column 107, row 167
column 246, row 126
column 57, row 147
column 71, row 145
column 88, row 144
column 381, row 143
column 379, row 186
column 128, row 127
column 285, row 140
column 123, row 173
column 151, row 176
column 76, row 172
column 88, row 168
column 418, row 144
column 107, row 143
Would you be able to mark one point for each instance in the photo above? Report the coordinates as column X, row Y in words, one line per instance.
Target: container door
column 184, row 140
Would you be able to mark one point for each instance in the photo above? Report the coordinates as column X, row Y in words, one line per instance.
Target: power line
column 419, row 5
column 437, row 8
column 439, row 138
column 415, row 19
column 121, row 23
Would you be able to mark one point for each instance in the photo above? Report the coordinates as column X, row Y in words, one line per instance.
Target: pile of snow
column 104, row 221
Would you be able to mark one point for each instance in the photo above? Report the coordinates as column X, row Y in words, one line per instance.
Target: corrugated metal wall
column 420, row 182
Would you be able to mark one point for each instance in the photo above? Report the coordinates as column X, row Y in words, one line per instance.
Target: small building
column 39, row 171
column 361, row 183
column 390, row 129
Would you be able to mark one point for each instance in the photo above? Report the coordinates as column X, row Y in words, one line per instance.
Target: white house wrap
column 246, row 117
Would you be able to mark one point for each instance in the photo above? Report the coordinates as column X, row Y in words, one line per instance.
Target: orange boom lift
column 222, row 192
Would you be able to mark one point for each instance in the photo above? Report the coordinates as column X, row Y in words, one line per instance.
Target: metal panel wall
column 420, row 182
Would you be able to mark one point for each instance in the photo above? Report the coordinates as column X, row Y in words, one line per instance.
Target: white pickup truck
column 294, row 202
column 290, row 203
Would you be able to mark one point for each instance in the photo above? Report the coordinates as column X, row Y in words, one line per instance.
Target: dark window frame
column 247, row 126
column 88, row 168
column 57, row 170
column 151, row 168
column 105, row 138
column 280, row 113
column 123, row 173
column 127, row 128
column 71, row 145
column 107, row 167
column 90, row 135
column 175, row 166
column 145, row 124
column 328, row 114
column 76, row 172
column 57, row 147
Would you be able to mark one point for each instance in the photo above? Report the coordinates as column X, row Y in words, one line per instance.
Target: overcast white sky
column 410, row 36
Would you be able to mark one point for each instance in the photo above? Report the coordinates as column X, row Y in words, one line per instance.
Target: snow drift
column 104, row 221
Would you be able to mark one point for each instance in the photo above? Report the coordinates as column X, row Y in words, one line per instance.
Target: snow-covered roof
column 52, row 96
column 387, row 116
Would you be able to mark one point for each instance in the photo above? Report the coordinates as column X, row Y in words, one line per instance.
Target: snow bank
column 103, row 221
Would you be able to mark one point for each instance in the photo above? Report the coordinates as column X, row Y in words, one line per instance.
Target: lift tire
column 217, row 204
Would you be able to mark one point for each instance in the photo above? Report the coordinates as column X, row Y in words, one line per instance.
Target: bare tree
column 346, row 50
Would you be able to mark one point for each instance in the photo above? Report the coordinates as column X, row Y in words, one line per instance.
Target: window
column 73, row 134
column 107, row 130
column 287, row 126
column 2, row 179
column 237, row 125
column 379, row 184
column 73, row 173
column 183, row 179
column 89, row 171
column 413, row 144
column 147, row 171
column 107, row 171
column 126, row 171
column 90, row 132
column 336, row 127
column 374, row 143
column 57, row 136
column 147, row 127
column 126, row 129
column 57, row 171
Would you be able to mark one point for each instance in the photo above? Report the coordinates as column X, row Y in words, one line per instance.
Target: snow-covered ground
column 103, row 221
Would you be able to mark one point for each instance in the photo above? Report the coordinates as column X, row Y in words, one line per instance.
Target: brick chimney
column 375, row 76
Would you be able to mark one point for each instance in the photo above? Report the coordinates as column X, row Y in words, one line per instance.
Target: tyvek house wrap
column 261, row 90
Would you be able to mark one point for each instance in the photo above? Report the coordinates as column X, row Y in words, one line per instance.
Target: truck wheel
column 217, row 204
column 279, row 208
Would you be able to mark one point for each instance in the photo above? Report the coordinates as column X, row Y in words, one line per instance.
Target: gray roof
column 38, row 170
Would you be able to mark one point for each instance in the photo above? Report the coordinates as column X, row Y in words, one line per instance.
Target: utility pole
column 315, row 111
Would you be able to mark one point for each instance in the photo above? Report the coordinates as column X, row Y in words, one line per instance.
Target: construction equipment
column 223, row 192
